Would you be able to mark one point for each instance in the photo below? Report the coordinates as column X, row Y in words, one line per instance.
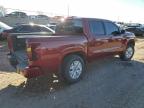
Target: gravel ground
column 108, row 83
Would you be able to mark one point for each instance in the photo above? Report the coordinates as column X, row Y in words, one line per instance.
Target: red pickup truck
column 76, row 42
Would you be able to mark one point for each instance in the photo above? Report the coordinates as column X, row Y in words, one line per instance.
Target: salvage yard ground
column 108, row 83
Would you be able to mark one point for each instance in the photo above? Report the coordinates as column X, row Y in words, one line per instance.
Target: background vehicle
column 3, row 27
column 76, row 42
column 32, row 16
column 42, row 17
column 28, row 28
column 17, row 14
column 138, row 31
column 52, row 26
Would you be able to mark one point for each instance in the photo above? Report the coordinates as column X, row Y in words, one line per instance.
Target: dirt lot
column 108, row 83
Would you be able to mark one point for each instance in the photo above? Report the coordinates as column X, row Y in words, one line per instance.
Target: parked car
column 32, row 16
column 3, row 27
column 138, row 31
column 42, row 17
column 77, row 41
column 29, row 28
column 17, row 14
column 52, row 26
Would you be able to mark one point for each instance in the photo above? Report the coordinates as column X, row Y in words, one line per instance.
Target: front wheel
column 73, row 68
column 128, row 53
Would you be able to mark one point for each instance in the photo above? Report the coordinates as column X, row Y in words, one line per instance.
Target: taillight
column 32, row 55
column 29, row 52
column 10, row 43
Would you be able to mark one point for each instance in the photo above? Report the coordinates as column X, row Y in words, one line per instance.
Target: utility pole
column 68, row 9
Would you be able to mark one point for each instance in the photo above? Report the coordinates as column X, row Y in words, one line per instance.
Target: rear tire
column 73, row 68
column 128, row 53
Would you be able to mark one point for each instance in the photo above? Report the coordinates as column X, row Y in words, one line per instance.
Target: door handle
column 102, row 40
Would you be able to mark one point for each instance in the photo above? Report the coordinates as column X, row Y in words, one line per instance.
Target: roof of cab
column 98, row 19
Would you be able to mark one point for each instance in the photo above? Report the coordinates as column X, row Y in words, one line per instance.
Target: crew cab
column 76, row 42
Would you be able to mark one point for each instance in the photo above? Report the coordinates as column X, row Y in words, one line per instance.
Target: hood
column 130, row 34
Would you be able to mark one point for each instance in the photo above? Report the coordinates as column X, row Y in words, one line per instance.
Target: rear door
column 99, row 44
column 115, row 37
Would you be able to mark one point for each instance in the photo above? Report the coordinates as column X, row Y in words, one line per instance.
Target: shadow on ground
column 35, row 87
column 49, row 84
column 4, row 63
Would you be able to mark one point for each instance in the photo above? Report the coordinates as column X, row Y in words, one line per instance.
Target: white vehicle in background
column 3, row 27
column 32, row 16
column 43, row 17
column 52, row 26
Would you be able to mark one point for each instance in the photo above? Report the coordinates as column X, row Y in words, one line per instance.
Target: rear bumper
column 23, row 68
column 29, row 72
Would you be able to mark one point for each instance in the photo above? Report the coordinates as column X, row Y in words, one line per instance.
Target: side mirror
column 115, row 33
column 123, row 31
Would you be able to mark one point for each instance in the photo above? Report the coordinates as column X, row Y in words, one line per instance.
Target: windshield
column 70, row 26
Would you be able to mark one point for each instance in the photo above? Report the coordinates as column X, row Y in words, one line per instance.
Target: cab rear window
column 70, row 26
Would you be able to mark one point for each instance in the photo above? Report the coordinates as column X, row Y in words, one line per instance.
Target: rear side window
column 17, row 28
column 43, row 29
column 96, row 28
column 24, row 29
column 110, row 28
column 39, row 29
column 35, row 29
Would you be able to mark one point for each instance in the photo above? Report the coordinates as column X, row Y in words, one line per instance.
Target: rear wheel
column 73, row 68
column 128, row 53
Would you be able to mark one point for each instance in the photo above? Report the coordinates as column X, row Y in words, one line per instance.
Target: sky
column 116, row 10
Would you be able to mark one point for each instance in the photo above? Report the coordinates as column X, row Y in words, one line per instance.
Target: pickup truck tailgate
column 22, row 59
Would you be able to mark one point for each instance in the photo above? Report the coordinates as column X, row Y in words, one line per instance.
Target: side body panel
column 52, row 50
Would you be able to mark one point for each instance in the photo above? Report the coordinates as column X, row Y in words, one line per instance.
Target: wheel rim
column 75, row 69
column 129, row 52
